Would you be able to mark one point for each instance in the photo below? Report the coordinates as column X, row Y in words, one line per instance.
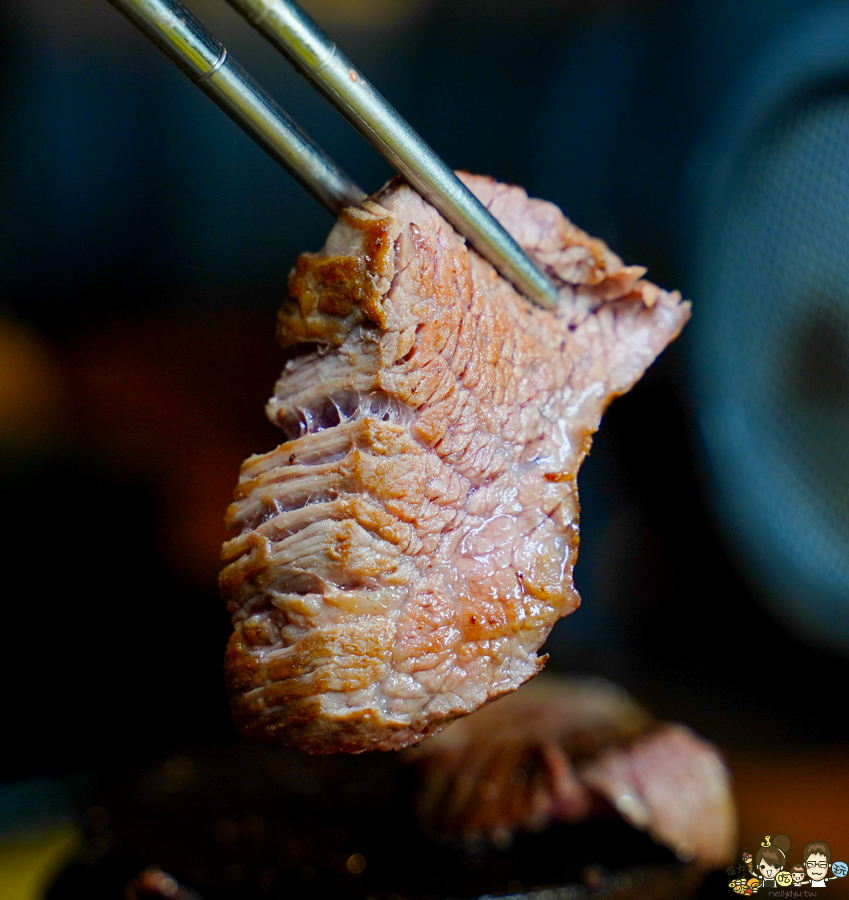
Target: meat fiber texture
column 403, row 555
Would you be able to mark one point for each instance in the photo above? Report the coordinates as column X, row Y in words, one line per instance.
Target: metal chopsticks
column 303, row 43
column 203, row 59
column 206, row 62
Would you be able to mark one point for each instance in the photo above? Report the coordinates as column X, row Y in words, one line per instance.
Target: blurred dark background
column 144, row 247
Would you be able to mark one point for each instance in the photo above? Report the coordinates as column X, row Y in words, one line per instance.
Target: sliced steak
column 674, row 785
column 511, row 766
column 402, row 556
column 550, row 752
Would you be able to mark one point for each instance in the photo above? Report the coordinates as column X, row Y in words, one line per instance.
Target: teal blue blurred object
column 709, row 140
column 36, row 804
column 770, row 338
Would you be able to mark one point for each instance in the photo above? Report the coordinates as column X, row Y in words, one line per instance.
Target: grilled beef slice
column 402, row 556
column 551, row 751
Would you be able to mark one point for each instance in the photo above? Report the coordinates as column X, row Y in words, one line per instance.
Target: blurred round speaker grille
column 772, row 359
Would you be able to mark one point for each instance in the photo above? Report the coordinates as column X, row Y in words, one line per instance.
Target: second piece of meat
column 551, row 752
column 404, row 554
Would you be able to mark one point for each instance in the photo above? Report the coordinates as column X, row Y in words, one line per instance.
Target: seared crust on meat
column 403, row 555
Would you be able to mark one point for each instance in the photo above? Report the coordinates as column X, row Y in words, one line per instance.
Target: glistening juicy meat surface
column 404, row 554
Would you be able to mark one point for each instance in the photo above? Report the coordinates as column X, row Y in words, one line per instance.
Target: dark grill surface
column 250, row 821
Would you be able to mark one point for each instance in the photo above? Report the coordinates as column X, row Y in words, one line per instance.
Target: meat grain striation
column 402, row 556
